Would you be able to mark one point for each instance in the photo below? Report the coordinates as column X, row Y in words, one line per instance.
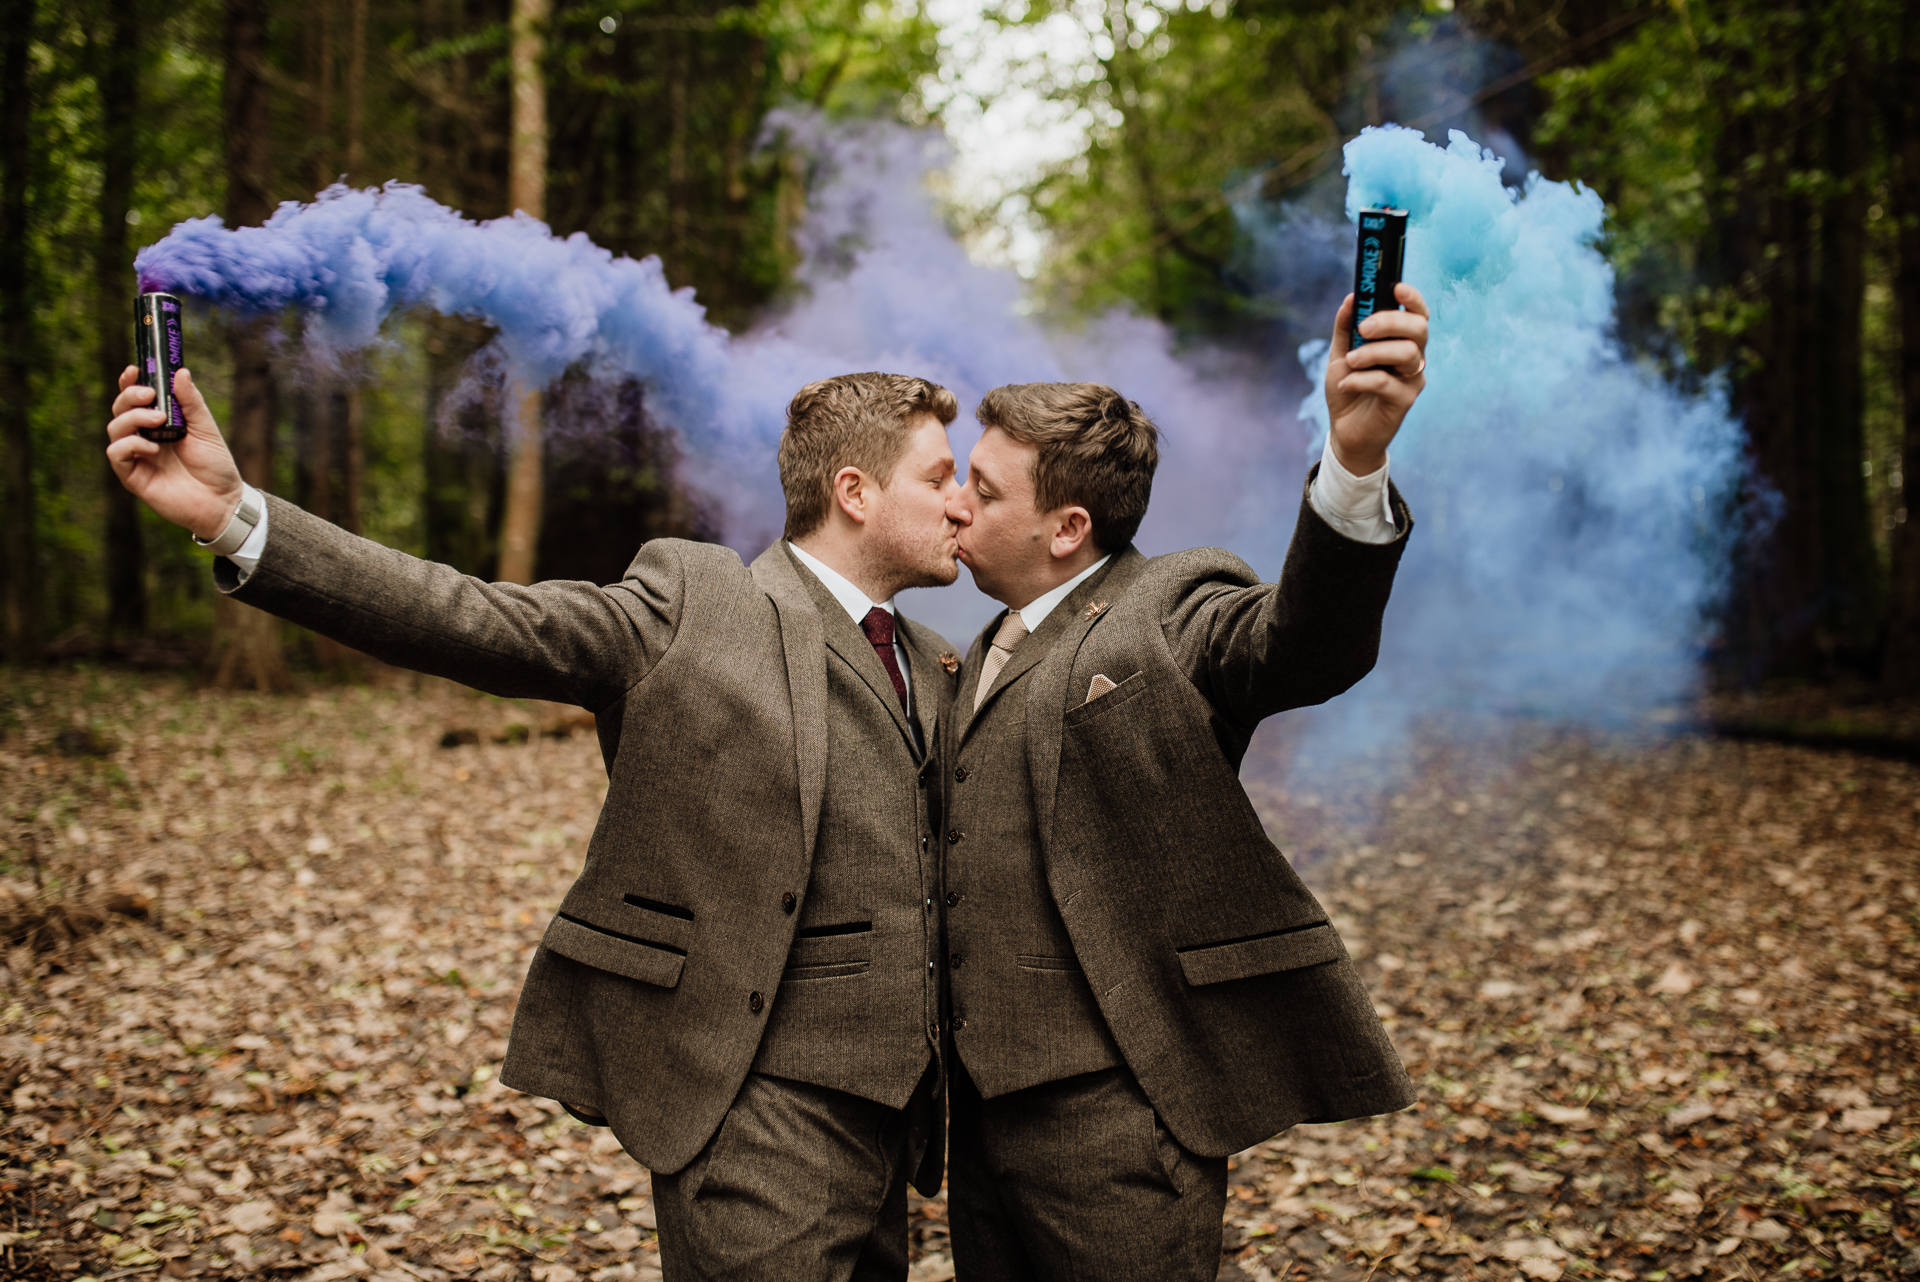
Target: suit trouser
column 1077, row 1180
column 800, row 1184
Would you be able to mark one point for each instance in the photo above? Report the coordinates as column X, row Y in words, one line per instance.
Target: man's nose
column 959, row 511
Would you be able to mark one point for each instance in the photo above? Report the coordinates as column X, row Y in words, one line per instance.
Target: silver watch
column 244, row 521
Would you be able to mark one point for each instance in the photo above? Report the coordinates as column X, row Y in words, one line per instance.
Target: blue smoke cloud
column 1577, row 512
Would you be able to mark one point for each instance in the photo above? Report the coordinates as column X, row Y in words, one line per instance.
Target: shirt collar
column 1035, row 612
column 851, row 599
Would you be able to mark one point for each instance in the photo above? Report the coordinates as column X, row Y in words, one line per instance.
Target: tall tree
column 1900, row 662
column 354, row 464
column 527, row 193
column 20, row 552
column 117, row 73
column 247, row 651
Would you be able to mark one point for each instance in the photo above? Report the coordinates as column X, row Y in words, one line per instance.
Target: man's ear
column 850, row 493
column 1072, row 530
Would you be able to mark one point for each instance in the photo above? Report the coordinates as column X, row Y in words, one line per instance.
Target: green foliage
column 1188, row 101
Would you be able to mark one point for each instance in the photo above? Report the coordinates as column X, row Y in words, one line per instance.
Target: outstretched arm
column 568, row 642
column 1255, row 649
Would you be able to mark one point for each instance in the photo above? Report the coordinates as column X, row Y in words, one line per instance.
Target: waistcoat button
column 754, row 1003
column 953, row 836
column 959, row 1024
column 955, row 960
column 960, row 775
column 953, row 899
column 787, row 902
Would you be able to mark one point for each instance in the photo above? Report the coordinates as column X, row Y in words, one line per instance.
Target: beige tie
column 1012, row 630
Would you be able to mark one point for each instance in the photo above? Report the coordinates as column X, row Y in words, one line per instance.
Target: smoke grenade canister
column 1376, row 265
column 156, row 344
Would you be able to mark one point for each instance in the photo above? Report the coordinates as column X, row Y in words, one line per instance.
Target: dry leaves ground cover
column 1659, row 996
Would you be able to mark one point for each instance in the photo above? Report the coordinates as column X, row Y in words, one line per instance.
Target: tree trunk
column 1768, row 249
column 356, row 89
column 1900, row 662
column 353, row 464
column 118, row 76
column 320, row 73
column 19, row 551
column 1850, row 571
column 527, row 178
column 246, row 643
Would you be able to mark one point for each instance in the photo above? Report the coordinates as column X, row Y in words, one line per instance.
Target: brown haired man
column 743, row 980
column 1140, row 985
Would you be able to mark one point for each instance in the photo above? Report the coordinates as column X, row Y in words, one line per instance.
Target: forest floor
column 1659, row 995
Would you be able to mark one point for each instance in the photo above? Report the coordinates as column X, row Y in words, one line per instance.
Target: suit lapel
column 800, row 636
column 844, row 638
column 1047, row 691
column 922, row 665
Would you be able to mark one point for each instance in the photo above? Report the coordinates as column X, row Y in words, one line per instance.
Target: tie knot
column 878, row 625
column 1012, row 630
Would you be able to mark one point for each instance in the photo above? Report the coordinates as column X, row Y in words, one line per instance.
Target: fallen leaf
column 1676, row 979
column 1863, row 1119
column 253, row 1217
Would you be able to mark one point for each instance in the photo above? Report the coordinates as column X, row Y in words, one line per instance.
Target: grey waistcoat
column 1022, row 1011
column 858, row 1005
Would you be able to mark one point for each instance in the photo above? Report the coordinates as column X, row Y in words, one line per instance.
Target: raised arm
column 1254, row 649
column 569, row 642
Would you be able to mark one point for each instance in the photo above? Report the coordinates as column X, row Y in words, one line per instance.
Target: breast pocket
column 1105, row 705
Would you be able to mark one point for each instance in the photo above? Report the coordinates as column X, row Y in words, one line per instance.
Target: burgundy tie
column 878, row 625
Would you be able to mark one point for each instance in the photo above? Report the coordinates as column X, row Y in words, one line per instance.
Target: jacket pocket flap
column 1263, row 955
column 616, row 954
column 853, row 943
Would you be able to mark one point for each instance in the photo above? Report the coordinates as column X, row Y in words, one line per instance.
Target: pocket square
column 1098, row 686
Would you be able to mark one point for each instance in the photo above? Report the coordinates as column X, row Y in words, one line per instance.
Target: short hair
column 851, row 420
column 1096, row 449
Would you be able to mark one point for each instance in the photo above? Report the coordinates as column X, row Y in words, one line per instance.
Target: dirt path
column 1661, row 999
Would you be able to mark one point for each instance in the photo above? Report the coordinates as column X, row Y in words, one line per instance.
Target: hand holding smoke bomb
column 189, row 479
column 1377, row 364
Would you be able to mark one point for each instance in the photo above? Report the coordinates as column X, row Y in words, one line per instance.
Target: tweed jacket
column 1218, row 973
column 708, row 681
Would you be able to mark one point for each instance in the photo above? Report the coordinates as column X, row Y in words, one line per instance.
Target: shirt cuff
column 1356, row 506
column 245, row 557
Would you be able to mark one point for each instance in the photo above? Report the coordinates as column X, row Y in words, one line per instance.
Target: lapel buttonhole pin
column 1094, row 610
column 949, row 661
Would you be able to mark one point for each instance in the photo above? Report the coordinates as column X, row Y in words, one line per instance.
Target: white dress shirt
column 1357, row 506
column 855, row 603
column 1035, row 612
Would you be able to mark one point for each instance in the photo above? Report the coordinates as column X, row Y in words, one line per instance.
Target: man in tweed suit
column 743, row 980
column 1140, row 984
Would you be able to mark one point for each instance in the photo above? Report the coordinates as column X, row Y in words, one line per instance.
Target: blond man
column 742, row 982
